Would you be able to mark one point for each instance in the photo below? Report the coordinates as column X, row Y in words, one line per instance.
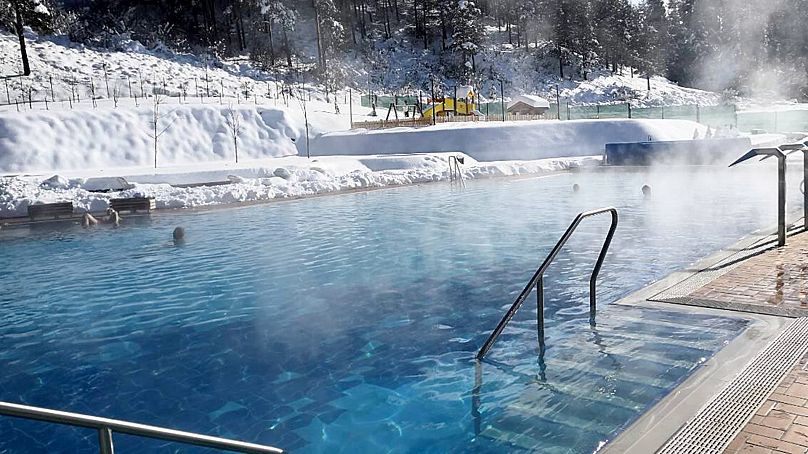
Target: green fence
column 725, row 116
column 383, row 102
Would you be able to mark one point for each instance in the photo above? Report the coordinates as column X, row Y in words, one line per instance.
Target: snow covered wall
column 497, row 141
column 110, row 138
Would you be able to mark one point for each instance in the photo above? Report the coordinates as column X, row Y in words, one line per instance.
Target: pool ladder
column 106, row 427
column 454, row 169
column 537, row 281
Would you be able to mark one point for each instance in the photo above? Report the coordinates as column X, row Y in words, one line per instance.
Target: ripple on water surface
column 349, row 323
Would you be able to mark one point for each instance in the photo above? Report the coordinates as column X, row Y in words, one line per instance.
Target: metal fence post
column 558, row 104
column 502, row 97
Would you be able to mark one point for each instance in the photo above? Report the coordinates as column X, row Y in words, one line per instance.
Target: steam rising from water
column 741, row 36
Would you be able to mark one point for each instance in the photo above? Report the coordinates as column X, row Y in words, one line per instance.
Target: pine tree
column 467, row 34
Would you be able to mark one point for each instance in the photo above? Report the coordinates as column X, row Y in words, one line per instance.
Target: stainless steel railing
column 106, row 427
column 537, row 281
column 454, row 169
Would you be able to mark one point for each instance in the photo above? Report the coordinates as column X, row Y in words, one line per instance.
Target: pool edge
column 656, row 426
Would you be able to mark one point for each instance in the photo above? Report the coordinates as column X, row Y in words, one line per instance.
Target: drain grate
column 718, row 422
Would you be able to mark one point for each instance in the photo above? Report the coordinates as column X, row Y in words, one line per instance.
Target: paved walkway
column 780, row 425
column 761, row 279
column 765, row 280
column 776, row 278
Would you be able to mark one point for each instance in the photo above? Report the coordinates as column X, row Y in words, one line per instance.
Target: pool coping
column 21, row 221
column 651, row 431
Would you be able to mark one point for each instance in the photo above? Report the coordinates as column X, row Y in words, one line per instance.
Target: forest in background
column 740, row 47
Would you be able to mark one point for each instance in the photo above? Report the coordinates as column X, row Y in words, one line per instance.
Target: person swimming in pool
column 179, row 236
column 112, row 217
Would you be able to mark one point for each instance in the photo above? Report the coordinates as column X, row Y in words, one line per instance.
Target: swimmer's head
column 178, row 234
column 646, row 190
column 575, row 187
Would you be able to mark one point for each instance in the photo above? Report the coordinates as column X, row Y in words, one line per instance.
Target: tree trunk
column 318, row 35
column 286, row 48
column 271, row 46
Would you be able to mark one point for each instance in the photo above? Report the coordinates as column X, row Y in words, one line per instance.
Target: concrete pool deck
column 730, row 406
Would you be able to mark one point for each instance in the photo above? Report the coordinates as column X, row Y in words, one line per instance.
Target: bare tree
column 234, row 126
column 301, row 99
column 156, row 123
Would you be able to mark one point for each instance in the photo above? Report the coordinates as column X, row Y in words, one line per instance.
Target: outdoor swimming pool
column 349, row 323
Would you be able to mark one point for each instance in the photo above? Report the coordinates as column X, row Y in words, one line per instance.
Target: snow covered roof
column 465, row 91
column 530, row 100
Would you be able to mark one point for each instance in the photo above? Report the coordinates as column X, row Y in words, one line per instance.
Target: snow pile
column 103, row 138
column 497, row 141
column 288, row 177
column 610, row 88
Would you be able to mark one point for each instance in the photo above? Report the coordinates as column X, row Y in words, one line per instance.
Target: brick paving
column 772, row 282
column 780, row 425
column 778, row 277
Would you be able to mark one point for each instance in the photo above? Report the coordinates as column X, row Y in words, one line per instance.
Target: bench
column 133, row 204
column 50, row 210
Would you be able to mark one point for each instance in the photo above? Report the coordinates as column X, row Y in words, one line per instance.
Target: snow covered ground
column 604, row 88
column 490, row 141
column 262, row 180
column 56, row 151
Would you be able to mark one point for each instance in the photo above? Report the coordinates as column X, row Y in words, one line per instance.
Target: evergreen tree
column 466, row 34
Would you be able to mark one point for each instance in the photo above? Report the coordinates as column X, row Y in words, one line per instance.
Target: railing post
column 805, row 181
column 781, row 201
column 105, row 441
column 540, row 310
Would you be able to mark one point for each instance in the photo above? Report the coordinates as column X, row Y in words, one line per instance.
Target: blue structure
column 703, row 152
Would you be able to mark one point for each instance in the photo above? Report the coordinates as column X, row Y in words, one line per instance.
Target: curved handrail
column 537, row 279
column 106, row 427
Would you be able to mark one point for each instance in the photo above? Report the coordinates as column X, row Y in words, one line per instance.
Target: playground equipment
column 446, row 106
column 463, row 103
column 409, row 110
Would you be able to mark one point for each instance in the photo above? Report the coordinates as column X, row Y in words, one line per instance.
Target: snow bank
column 496, row 141
column 277, row 178
column 103, row 138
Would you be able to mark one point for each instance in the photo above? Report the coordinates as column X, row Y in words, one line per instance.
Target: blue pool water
column 349, row 323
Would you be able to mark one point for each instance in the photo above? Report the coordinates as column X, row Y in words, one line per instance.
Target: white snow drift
column 276, row 178
column 104, row 138
column 491, row 141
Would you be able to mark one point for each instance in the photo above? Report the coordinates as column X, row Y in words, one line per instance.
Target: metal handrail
column 107, row 426
column 454, row 168
column 537, row 280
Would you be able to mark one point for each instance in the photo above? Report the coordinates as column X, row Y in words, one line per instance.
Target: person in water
column 575, row 187
column 179, row 236
column 112, row 217
column 646, row 190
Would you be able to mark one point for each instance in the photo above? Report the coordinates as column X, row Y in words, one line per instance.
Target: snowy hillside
column 62, row 70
